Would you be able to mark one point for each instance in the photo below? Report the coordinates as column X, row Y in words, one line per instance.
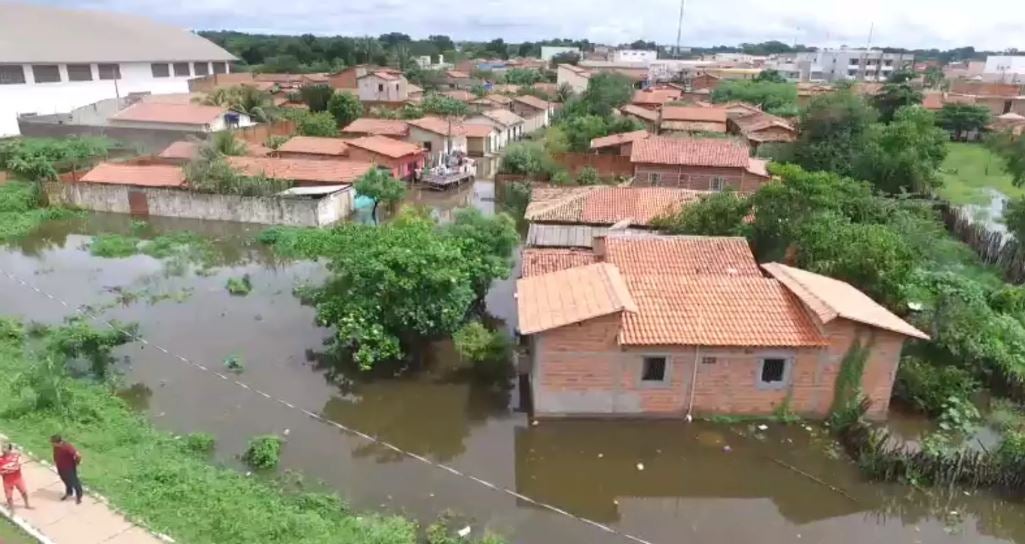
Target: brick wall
column 402, row 167
column 607, row 165
column 696, row 177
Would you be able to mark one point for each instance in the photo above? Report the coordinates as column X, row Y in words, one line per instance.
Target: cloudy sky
column 985, row 24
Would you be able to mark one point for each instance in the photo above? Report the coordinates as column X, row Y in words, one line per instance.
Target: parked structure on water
column 54, row 60
column 710, row 164
column 438, row 137
column 674, row 325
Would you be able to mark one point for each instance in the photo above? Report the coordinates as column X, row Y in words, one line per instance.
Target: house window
column 181, row 69
column 774, row 372
column 427, row 146
column 109, row 71
column 220, row 68
column 654, row 178
column 653, row 370
column 708, row 360
column 717, row 183
column 80, row 72
column 46, row 73
column 200, row 68
column 11, row 74
column 380, row 87
column 160, row 70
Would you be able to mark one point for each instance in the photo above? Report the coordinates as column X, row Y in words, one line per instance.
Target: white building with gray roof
column 53, row 60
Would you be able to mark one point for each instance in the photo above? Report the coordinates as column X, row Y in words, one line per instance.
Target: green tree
column 1014, row 217
column 439, row 104
column 961, row 119
column 588, row 175
column 345, row 107
column 225, row 143
column 719, row 214
column 933, row 77
column 1012, row 149
column 895, row 94
column 582, row 129
column 833, row 129
column 523, row 76
column 905, row 154
column 253, row 102
column 606, row 92
column 771, row 76
column 563, row 93
column 486, row 243
column 316, row 96
column 568, row 57
column 379, row 185
column 317, row 124
column 778, row 98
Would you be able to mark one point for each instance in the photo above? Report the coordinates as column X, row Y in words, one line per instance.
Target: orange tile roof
column 758, row 167
column 690, row 152
column 499, row 99
column 181, row 149
column 932, row 101
column 533, row 101
column 505, row 117
column 537, row 261
column 381, row 127
column 619, row 139
column 159, row 112
column 656, row 96
column 755, row 121
column 301, row 170
column 715, row 311
column 387, row 76
column 829, row 299
column 438, row 125
column 478, row 130
column 383, row 145
column 456, row 74
column 603, row 205
column 314, row 145
column 688, row 113
column 570, row 296
column 643, row 113
column 681, row 255
column 154, row 175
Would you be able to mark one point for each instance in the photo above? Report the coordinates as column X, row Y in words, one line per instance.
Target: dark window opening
column 773, row 370
column 220, row 68
column 11, row 74
column 201, row 68
column 181, row 69
column 109, row 71
column 654, row 369
column 160, row 70
column 708, row 360
column 46, row 73
column 380, row 87
column 80, row 72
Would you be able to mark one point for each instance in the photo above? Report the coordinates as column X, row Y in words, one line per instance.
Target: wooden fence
column 994, row 248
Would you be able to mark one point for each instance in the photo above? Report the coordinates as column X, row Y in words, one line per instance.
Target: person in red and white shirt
column 10, row 471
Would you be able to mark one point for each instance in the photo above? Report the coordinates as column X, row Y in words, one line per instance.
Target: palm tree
column 563, row 93
column 244, row 99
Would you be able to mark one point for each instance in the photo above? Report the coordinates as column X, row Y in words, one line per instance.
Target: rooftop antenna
column 679, row 29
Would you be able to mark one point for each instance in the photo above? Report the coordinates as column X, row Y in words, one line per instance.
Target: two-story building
column 53, row 60
column 438, row 137
column 382, row 86
column 536, row 112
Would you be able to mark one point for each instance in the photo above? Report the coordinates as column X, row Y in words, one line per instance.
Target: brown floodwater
column 663, row 481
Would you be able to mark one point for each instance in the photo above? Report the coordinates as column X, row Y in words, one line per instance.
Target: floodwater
column 662, row 481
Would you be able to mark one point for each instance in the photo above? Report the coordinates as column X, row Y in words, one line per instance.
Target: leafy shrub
column 239, row 286
column 719, row 214
column 275, row 141
column 200, row 443
column 113, row 245
column 527, row 158
column 11, row 329
column 317, row 124
column 263, row 452
column 588, row 176
column 476, row 343
column 1012, row 448
column 959, row 416
column 927, row 386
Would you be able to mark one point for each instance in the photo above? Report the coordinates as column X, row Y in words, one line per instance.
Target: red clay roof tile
column 619, row 139
column 383, row 145
column 690, row 152
column 154, row 175
column 302, row 170
column 570, row 296
column 688, row 113
column 536, row 261
column 160, row 112
column 314, row 145
column 381, row 127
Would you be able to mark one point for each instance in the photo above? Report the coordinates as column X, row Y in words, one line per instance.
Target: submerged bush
column 202, row 443
column 263, row 452
column 928, row 386
column 113, row 245
column 239, row 286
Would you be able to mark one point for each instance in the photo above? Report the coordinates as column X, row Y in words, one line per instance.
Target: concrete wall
column 576, row 81
column 696, row 177
column 533, row 119
column 66, row 95
column 299, row 212
column 580, row 369
column 146, row 140
column 376, row 89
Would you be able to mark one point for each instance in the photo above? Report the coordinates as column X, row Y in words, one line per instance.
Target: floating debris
column 464, row 532
column 640, row 466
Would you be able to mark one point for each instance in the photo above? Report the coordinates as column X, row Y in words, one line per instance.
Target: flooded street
column 661, row 481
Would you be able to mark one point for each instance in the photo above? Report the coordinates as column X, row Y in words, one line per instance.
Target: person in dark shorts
column 66, row 457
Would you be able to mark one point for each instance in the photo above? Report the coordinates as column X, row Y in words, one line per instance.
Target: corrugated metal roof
column 38, row 33
column 539, row 235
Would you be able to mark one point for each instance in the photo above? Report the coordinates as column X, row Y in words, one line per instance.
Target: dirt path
column 57, row 522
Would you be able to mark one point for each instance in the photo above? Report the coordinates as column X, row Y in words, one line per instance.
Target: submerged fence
column 994, row 248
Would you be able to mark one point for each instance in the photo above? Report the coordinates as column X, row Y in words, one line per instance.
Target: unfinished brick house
column 672, row 325
column 618, row 144
column 758, row 127
column 708, row 164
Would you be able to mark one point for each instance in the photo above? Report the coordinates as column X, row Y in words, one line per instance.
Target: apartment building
column 853, row 64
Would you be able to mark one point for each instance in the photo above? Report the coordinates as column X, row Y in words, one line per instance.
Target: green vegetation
column 316, row 124
column 263, row 452
column 153, row 476
column 199, row 443
column 37, row 159
column 719, row 214
column 896, row 93
column 210, row 172
column 1012, row 149
column 316, row 96
column 773, row 96
column 21, row 210
column 233, row 363
column 345, row 107
column 403, row 282
column 969, row 169
column 379, row 185
column 245, row 99
column 12, row 534
column 960, row 119
column 239, row 286
column 528, row 159
column 113, row 246
column 184, row 247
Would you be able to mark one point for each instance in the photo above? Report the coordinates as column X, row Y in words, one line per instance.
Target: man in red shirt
column 66, row 457
column 10, row 471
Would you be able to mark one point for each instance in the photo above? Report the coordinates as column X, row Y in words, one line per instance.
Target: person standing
column 10, row 471
column 66, row 457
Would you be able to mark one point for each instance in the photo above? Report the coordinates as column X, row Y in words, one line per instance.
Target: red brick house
column 759, row 127
column 710, row 164
column 704, row 81
column 677, row 325
column 403, row 158
column 618, row 144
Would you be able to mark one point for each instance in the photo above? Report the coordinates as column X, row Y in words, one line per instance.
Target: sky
column 944, row 24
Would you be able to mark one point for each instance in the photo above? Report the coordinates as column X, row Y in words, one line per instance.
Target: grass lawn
column 968, row 169
column 12, row 534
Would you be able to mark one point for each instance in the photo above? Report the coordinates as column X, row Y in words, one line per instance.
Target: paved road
column 92, row 522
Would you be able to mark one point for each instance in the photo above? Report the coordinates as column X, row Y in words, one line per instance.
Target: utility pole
column 679, row 29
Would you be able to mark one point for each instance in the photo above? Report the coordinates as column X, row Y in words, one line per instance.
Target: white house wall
column 64, row 96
